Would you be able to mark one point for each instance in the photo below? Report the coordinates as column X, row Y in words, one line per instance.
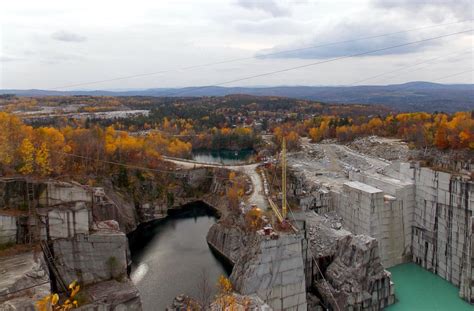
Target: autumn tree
column 27, row 154
column 42, row 160
column 225, row 299
column 12, row 133
column 314, row 134
column 441, row 140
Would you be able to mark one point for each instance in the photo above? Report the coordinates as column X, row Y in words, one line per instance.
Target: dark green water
column 418, row 289
column 227, row 157
column 171, row 256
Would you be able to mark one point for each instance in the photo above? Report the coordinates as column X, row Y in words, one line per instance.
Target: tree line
column 47, row 151
column 420, row 129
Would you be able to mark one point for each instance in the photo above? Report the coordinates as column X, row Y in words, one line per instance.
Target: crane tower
column 283, row 179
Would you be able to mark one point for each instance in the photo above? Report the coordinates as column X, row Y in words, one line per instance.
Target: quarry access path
column 257, row 196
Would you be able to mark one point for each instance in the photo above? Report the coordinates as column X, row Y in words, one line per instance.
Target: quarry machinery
column 282, row 214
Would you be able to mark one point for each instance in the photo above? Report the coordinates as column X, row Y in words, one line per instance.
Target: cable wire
column 454, row 74
column 405, row 67
column 143, row 168
column 254, row 57
column 315, row 63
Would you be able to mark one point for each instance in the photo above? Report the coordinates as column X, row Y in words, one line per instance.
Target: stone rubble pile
column 385, row 148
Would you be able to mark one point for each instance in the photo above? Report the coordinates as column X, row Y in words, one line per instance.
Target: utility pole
column 283, row 178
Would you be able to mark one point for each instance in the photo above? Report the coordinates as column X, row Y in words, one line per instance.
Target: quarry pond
column 227, row 157
column 419, row 289
column 170, row 256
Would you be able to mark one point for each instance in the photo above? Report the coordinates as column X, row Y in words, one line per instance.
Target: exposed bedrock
column 227, row 240
column 354, row 277
column 92, row 258
column 24, row 278
column 113, row 295
column 416, row 214
column 330, row 267
column 272, row 269
column 83, row 228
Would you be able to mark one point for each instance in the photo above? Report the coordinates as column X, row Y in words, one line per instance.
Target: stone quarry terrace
column 358, row 215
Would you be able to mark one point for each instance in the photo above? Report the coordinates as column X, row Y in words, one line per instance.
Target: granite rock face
column 8, row 229
column 417, row 214
column 466, row 290
column 273, row 269
column 443, row 227
column 92, row 258
column 227, row 240
column 24, row 279
column 113, row 296
column 352, row 273
column 66, row 218
column 309, row 196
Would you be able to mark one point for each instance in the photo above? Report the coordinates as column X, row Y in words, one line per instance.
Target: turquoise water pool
column 418, row 289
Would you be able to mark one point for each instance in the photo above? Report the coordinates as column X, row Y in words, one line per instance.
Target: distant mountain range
column 412, row 96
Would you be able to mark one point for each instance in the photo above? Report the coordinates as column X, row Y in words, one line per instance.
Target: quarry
column 353, row 215
column 416, row 214
column 358, row 214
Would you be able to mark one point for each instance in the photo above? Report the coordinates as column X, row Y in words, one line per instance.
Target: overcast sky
column 50, row 44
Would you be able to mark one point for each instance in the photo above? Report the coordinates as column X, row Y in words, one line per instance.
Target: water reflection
column 169, row 257
column 228, row 157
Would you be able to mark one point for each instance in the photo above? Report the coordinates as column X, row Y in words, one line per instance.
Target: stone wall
column 226, row 240
column 466, row 290
column 442, row 233
column 13, row 193
column 66, row 222
column 8, row 229
column 273, row 269
column 92, row 258
column 393, row 220
column 358, row 204
column 64, row 192
column 368, row 210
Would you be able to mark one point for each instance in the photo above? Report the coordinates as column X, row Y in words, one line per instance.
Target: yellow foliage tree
column 110, row 135
column 42, row 160
column 27, row 154
column 51, row 302
column 314, row 134
column 225, row 300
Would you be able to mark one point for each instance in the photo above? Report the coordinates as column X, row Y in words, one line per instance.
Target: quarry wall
column 425, row 217
column 417, row 214
column 442, row 230
column 270, row 268
column 273, row 269
column 354, row 277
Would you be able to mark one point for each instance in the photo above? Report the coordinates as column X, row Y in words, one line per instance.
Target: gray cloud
column 268, row 6
column 66, row 36
column 322, row 43
column 269, row 26
column 5, row 59
column 436, row 10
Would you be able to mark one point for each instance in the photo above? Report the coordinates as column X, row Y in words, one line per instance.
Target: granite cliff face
column 83, row 229
column 417, row 214
column 20, row 272
column 228, row 240
column 345, row 269
column 273, row 269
